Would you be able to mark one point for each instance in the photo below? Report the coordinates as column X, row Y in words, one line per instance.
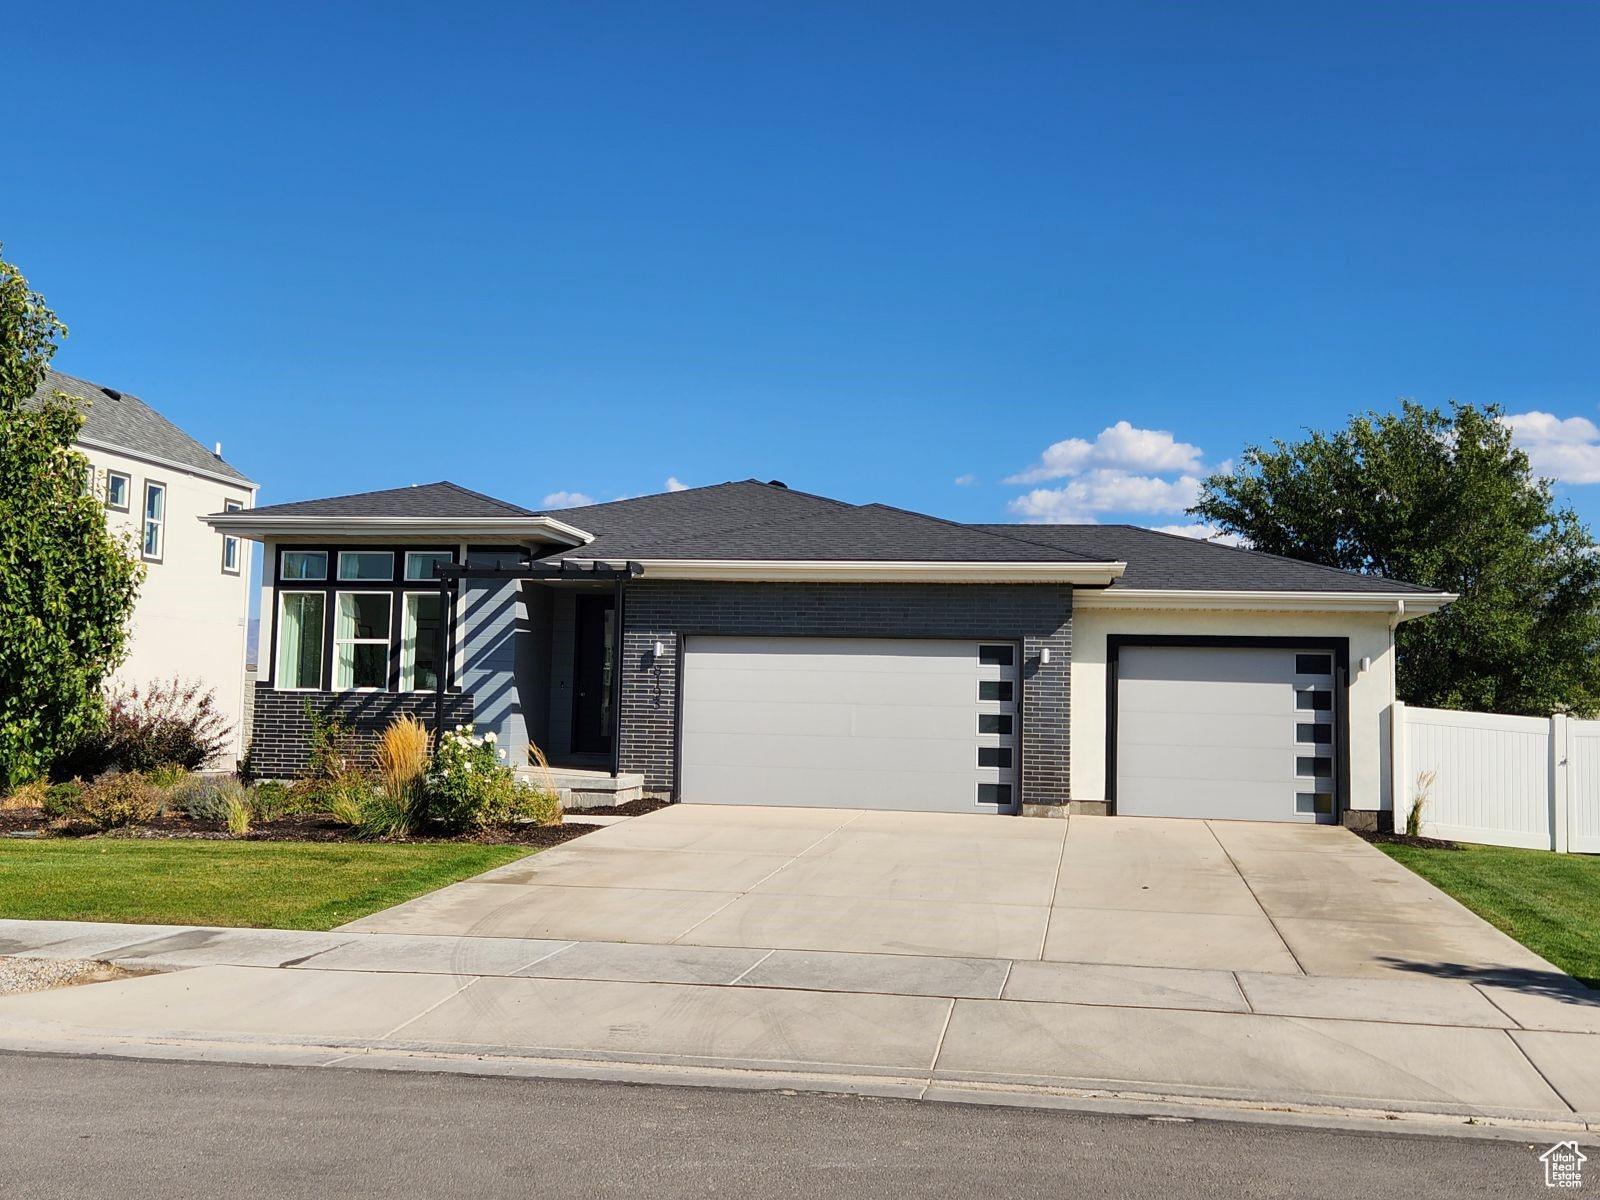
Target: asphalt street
column 77, row 1127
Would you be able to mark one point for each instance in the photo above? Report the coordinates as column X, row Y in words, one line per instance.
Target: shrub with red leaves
column 169, row 723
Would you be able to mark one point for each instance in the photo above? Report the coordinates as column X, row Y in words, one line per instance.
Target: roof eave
column 237, row 478
column 264, row 526
column 864, row 571
column 1407, row 604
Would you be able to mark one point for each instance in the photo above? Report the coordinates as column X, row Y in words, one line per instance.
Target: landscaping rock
column 40, row 974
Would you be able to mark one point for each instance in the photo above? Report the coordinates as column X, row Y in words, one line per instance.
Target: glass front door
column 596, row 653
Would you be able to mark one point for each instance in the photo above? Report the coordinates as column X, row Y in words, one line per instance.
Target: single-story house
column 750, row 643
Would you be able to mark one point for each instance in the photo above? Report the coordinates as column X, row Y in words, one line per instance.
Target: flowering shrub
column 470, row 786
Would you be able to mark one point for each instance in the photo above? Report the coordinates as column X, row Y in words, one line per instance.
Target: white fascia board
column 1409, row 604
column 243, row 483
column 247, row 524
column 774, row 571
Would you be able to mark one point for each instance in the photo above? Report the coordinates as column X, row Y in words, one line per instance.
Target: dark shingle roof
column 1169, row 561
column 443, row 499
column 117, row 419
column 755, row 521
column 638, row 528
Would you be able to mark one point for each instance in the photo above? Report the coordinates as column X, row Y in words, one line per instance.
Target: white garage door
column 851, row 723
column 1245, row 734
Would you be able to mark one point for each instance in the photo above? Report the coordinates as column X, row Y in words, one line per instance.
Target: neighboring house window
column 155, row 519
column 304, row 565
column 230, row 544
column 419, row 642
column 420, row 563
column 118, row 489
column 361, row 640
column 367, row 566
column 300, row 617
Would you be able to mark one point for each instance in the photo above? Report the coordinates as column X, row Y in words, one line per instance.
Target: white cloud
column 1201, row 532
column 674, row 484
column 966, row 480
column 1565, row 449
column 1107, row 491
column 566, row 500
column 1121, row 447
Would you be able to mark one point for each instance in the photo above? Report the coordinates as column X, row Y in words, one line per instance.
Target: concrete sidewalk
column 1512, row 1045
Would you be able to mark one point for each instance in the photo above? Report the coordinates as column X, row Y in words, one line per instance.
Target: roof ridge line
column 1301, row 562
column 517, row 509
column 806, row 520
column 971, row 528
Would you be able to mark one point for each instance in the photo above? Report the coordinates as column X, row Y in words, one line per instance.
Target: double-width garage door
column 1248, row 734
column 851, row 723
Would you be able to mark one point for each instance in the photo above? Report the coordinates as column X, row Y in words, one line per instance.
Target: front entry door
column 596, row 653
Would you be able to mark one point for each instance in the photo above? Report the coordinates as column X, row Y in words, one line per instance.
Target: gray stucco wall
column 1038, row 615
column 491, row 616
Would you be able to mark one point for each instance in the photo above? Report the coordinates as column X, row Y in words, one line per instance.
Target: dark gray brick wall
column 281, row 733
column 1038, row 615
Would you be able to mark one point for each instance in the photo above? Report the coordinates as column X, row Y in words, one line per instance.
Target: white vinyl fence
column 1505, row 781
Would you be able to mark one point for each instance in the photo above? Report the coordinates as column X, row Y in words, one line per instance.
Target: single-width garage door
column 1249, row 734
column 851, row 723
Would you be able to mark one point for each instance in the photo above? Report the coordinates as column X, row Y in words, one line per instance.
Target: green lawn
column 278, row 885
column 1548, row 902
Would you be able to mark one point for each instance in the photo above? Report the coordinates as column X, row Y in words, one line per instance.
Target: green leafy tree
column 1443, row 499
column 67, row 586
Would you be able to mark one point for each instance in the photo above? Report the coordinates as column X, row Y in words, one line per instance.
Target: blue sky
column 867, row 248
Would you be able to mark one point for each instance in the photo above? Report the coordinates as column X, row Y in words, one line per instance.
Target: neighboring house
column 783, row 648
column 156, row 483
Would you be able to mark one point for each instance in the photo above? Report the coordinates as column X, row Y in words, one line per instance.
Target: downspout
column 1399, row 615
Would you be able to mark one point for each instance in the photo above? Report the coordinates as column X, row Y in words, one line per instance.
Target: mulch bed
column 633, row 808
column 295, row 829
column 1401, row 839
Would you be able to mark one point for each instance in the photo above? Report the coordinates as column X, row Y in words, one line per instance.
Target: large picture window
column 361, row 640
column 300, row 618
column 419, row 643
column 155, row 519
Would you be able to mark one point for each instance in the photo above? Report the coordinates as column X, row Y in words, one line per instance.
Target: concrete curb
column 1187, row 1107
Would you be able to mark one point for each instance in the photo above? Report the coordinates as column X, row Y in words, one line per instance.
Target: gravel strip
column 39, row 974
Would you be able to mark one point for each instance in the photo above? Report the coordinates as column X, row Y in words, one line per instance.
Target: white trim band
column 1416, row 604
column 263, row 527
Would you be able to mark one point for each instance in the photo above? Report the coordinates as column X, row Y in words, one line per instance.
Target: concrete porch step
column 580, row 788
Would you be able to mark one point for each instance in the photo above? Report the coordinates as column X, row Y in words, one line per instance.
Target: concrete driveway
column 1151, row 892
column 942, row 957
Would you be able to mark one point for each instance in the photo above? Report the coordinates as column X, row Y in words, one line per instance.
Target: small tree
column 1442, row 499
column 67, row 586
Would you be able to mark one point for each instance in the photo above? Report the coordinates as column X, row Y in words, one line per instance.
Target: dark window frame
column 127, row 492
column 231, row 542
column 161, row 522
column 330, row 587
